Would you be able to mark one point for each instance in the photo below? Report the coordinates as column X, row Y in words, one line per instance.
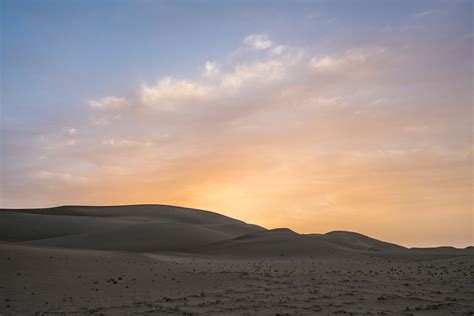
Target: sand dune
column 357, row 241
column 164, row 213
column 280, row 242
column 20, row 226
column 125, row 228
column 159, row 228
column 140, row 237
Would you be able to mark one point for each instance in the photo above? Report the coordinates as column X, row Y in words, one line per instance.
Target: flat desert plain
column 165, row 260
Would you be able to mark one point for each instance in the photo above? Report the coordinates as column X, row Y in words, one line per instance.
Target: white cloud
column 424, row 13
column 72, row 131
column 263, row 72
column 326, row 63
column 105, row 119
column 347, row 60
column 109, row 103
column 171, row 94
column 255, row 74
column 278, row 49
column 258, row 41
column 380, row 101
column 101, row 121
column 59, row 176
column 122, row 143
column 329, row 101
column 211, row 69
column 168, row 93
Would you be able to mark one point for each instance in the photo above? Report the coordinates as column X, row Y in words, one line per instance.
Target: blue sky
column 200, row 103
column 54, row 45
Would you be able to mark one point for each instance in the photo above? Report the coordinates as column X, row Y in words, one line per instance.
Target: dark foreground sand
column 257, row 272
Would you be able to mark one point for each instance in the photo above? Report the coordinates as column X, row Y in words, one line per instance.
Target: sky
column 312, row 115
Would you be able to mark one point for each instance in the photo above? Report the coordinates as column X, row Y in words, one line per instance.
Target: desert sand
column 165, row 260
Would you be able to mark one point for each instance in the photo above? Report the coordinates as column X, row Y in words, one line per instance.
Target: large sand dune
column 124, row 228
column 158, row 228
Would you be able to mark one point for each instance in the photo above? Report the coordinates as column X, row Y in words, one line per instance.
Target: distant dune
column 358, row 241
column 281, row 242
column 162, row 228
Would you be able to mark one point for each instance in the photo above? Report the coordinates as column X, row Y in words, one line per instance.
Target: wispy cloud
column 258, row 41
column 424, row 13
column 351, row 59
column 61, row 177
column 108, row 103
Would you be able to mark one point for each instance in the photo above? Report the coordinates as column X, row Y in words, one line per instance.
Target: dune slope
column 123, row 228
column 357, row 241
column 163, row 228
column 281, row 242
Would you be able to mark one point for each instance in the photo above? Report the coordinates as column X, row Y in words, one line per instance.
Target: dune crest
column 164, row 228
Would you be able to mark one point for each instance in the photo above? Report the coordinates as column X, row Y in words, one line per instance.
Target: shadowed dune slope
column 20, row 226
column 122, row 228
column 141, row 237
column 281, row 242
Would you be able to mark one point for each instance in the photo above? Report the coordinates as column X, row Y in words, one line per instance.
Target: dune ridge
column 165, row 228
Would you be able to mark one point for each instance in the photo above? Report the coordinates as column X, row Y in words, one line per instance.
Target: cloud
column 109, row 103
column 257, row 73
column 258, row 41
column 347, row 61
column 278, row 49
column 214, row 85
column 325, row 63
column 68, row 135
column 127, row 143
column 423, row 13
column 63, row 177
column 329, row 101
column 169, row 93
column 211, row 69
column 72, row 131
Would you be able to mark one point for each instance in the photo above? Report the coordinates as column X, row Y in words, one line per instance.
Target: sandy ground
column 68, row 282
column 162, row 260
